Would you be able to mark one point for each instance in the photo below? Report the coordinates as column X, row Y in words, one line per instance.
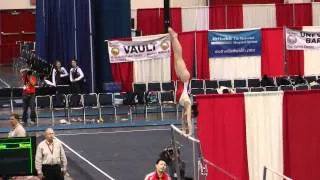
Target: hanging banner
column 302, row 40
column 234, row 44
column 128, row 51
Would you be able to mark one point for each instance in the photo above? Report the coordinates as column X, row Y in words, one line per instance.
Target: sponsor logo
column 291, row 39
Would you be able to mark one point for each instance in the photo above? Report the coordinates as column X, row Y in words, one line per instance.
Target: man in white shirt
column 76, row 77
column 59, row 74
column 17, row 129
column 51, row 161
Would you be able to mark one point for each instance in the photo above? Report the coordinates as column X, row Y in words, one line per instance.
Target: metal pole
column 166, row 15
column 91, row 49
column 285, row 61
column 75, row 30
column 226, row 15
column 177, row 166
column 195, row 164
column 264, row 173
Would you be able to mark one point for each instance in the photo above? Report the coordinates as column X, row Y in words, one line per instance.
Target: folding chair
column 211, row 84
column 297, row 81
column 242, row 89
column 283, row 81
column 286, row 87
column 139, row 89
column 106, row 100
column 239, row 83
column 167, row 98
column 225, row 83
column 253, row 82
column 211, row 91
column 271, row 88
column 154, row 86
column 64, row 89
column 43, row 103
column 16, row 96
column 43, row 91
column 256, row 89
column 5, row 98
column 168, row 86
column 317, row 86
column 310, row 79
column 196, row 91
column 75, row 102
column 90, row 101
column 152, row 100
column 270, row 80
column 59, row 102
column 302, row 87
column 197, row 84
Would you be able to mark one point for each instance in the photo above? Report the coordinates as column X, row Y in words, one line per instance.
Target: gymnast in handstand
column 183, row 75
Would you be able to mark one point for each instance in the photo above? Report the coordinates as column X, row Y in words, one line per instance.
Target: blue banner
column 234, row 44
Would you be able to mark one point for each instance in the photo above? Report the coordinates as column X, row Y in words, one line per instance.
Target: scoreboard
column 17, row 156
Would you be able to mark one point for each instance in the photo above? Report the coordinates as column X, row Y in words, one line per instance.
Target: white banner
column 127, row 51
column 302, row 40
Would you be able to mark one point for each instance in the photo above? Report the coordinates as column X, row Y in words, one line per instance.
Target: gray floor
column 127, row 154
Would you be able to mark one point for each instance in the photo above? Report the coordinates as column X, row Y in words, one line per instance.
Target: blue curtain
column 112, row 20
column 83, row 42
column 63, row 33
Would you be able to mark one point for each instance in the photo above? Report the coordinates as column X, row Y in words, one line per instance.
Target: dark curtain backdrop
column 57, row 37
column 83, row 42
column 112, row 20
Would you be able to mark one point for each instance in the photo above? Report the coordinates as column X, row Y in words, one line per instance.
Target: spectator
column 59, row 74
column 28, row 95
column 159, row 172
column 76, row 77
column 17, row 129
column 51, row 161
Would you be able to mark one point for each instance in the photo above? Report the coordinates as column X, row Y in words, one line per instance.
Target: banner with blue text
column 128, row 51
column 234, row 43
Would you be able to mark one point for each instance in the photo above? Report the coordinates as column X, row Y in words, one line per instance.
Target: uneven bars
column 87, row 161
column 180, row 132
column 273, row 171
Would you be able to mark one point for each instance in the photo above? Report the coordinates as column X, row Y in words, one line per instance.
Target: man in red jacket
column 28, row 94
column 159, row 173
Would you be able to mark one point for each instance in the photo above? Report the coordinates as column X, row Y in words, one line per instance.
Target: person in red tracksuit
column 159, row 173
column 28, row 95
column 183, row 75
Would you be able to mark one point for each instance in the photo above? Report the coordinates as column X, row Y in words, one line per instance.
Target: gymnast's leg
column 184, row 76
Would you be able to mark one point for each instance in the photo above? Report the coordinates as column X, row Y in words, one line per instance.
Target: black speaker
column 166, row 7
